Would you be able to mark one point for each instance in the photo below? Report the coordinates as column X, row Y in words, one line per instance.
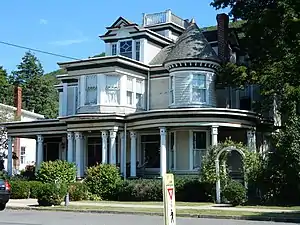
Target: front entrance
column 94, row 149
column 150, row 151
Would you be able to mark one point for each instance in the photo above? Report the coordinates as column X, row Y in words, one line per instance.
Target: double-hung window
column 112, row 89
column 126, row 48
column 199, row 88
column 23, row 155
column 199, row 148
column 129, row 91
column 139, row 94
column 91, row 90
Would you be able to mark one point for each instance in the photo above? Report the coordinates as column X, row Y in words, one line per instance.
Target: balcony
column 163, row 17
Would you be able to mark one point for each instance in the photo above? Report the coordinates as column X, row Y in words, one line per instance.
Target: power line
column 37, row 50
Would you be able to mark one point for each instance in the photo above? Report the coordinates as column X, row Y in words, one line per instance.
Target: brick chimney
column 18, row 113
column 223, row 28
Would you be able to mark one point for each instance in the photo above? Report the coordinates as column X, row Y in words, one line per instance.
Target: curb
column 252, row 218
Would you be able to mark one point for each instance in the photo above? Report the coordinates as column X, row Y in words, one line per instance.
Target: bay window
column 129, row 91
column 112, row 89
column 91, row 90
column 198, row 88
column 139, row 94
column 126, row 48
column 199, row 148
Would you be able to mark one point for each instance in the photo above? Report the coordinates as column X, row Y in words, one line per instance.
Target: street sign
column 169, row 199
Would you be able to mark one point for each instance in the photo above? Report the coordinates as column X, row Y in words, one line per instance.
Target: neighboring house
column 151, row 104
column 24, row 148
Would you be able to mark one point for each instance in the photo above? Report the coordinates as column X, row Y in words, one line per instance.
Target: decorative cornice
column 187, row 63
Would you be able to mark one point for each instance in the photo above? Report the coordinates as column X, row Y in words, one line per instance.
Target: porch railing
column 163, row 17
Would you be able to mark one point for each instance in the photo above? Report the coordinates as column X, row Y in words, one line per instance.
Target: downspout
column 148, row 91
column 125, row 152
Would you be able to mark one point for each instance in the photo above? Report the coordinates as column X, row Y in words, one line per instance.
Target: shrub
column 29, row 172
column 57, row 171
column 51, row 194
column 103, row 180
column 35, row 186
column 235, row 193
column 20, row 189
column 78, row 192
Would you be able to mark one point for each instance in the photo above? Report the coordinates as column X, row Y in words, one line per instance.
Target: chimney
column 223, row 27
column 18, row 113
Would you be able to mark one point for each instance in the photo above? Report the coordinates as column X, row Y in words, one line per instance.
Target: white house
column 152, row 103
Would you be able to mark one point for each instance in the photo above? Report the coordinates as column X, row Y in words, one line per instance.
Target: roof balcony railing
column 163, row 17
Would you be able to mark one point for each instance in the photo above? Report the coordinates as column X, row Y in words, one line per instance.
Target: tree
column 6, row 91
column 39, row 93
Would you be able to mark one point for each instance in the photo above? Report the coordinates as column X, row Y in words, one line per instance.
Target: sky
column 72, row 27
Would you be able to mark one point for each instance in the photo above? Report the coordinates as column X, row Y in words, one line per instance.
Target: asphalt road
column 8, row 217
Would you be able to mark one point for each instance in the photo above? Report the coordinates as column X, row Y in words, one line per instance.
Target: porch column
column 251, row 140
column 214, row 135
column 40, row 151
column 123, row 154
column 104, row 147
column 9, row 156
column 78, row 155
column 70, row 157
column 133, row 154
column 113, row 150
column 163, row 151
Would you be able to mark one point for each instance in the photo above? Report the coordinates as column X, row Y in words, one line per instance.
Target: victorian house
column 151, row 104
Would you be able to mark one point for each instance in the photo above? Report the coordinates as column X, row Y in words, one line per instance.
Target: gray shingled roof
column 162, row 55
column 192, row 44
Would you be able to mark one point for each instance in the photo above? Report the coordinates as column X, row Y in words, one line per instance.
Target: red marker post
column 169, row 199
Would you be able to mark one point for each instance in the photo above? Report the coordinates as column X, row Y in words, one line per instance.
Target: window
column 199, row 88
column 172, row 89
column 126, row 48
column 23, row 155
column 150, row 149
column 114, row 49
column 129, row 91
column 139, row 94
column 137, row 50
column 91, row 90
column 199, row 148
column 112, row 89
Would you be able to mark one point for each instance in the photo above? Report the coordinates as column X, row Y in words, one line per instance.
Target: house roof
column 23, row 111
column 192, row 44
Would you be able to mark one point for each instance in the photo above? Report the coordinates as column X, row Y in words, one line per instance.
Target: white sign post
column 169, row 199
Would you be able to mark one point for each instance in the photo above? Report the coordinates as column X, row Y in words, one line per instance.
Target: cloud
column 69, row 42
column 43, row 21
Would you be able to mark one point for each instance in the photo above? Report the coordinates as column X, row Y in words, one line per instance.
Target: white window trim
column 191, row 149
column 170, row 85
column 119, row 46
column 85, row 92
column 106, row 96
column 21, row 155
column 143, row 94
column 206, row 88
column 133, row 92
column 135, row 41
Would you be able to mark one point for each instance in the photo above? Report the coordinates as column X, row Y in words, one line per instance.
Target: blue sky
column 72, row 27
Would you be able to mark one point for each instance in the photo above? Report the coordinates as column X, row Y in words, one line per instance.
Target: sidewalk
column 27, row 203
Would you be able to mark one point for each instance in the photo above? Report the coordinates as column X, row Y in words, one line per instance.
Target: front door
column 94, row 151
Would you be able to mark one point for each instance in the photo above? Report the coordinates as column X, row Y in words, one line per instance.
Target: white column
column 214, row 135
column 112, row 146
column 123, row 153
column 104, row 147
column 78, row 149
column 70, row 157
column 251, row 140
column 163, row 151
column 40, row 151
column 9, row 156
column 133, row 154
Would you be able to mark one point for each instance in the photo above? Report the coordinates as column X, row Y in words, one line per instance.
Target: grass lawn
column 271, row 207
column 152, row 203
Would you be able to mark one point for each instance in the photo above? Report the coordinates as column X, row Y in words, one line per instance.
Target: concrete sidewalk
column 17, row 203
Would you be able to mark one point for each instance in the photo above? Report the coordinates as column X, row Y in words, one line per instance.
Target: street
column 9, row 217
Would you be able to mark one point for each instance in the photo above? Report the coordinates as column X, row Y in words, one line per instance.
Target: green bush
column 103, row 180
column 35, row 186
column 235, row 193
column 78, row 192
column 51, row 194
column 20, row 189
column 57, row 171
column 29, row 172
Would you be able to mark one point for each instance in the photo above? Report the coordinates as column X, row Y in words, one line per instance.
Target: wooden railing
column 163, row 17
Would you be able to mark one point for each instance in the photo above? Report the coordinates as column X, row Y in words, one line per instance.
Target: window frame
column 128, row 91
column 23, row 156
column 86, row 103
column 137, row 50
column 142, row 105
column 132, row 47
column 114, row 45
column 116, row 90
column 192, row 87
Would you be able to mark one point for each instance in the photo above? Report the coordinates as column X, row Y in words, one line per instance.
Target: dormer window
column 126, row 48
column 198, row 88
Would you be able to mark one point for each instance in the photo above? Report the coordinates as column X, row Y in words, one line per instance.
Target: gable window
column 199, row 148
column 114, row 49
column 23, row 155
column 126, row 48
column 129, row 91
column 172, row 89
column 137, row 50
column 199, row 88
column 139, row 94
column 91, row 90
column 112, row 89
